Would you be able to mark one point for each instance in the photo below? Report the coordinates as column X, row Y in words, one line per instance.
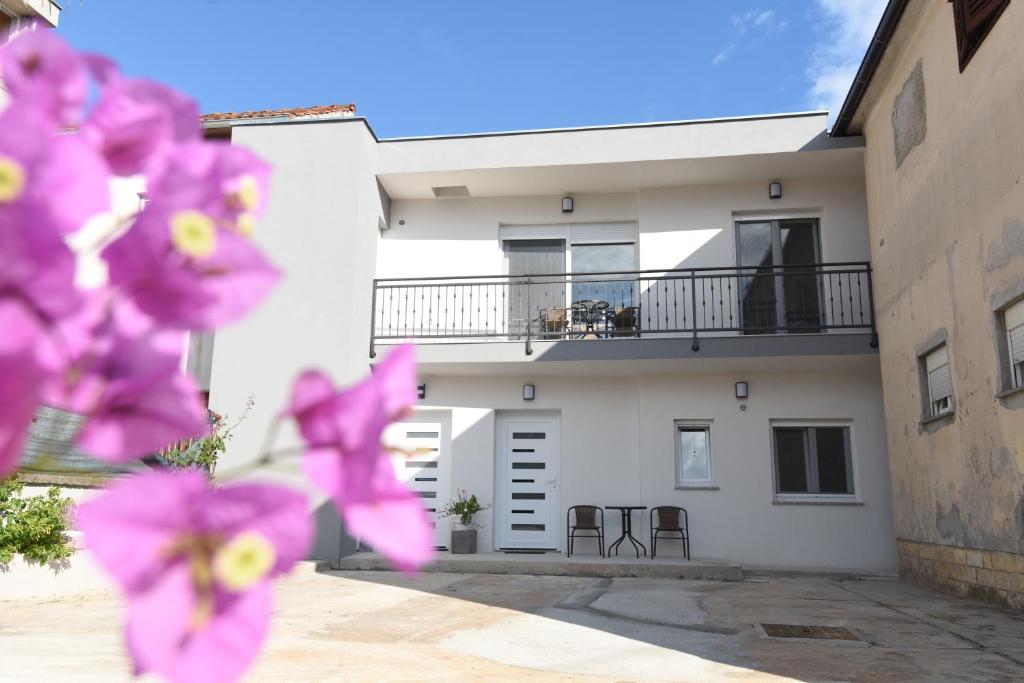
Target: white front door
column 425, row 466
column 527, row 482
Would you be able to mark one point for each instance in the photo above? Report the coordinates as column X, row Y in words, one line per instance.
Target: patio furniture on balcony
column 586, row 518
column 673, row 522
column 692, row 304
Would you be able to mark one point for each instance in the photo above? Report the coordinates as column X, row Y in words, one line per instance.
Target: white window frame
column 702, row 425
column 817, row 498
column 931, row 362
column 1013, row 322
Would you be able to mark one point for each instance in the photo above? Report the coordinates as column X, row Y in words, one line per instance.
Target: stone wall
column 982, row 574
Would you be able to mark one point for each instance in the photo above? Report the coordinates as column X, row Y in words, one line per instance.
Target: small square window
column 693, row 455
column 1013, row 321
column 938, row 382
column 813, row 461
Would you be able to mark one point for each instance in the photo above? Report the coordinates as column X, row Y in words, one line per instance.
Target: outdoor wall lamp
column 775, row 190
column 742, row 390
column 421, row 391
column 567, row 204
column 529, row 392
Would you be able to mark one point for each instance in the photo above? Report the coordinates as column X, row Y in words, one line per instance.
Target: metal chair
column 586, row 518
column 671, row 520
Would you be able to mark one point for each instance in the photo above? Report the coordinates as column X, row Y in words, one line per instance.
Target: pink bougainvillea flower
column 22, row 378
column 137, row 122
column 56, row 172
column 188, row 261
column 38, row 65
column 195, row 565
column 128, row 384
column 346, row 459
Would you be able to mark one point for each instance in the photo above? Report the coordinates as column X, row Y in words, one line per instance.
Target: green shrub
column 33, row 526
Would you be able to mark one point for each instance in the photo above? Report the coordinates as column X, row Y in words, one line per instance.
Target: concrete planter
column 463, row 540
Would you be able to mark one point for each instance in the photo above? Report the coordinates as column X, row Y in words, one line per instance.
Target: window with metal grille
column 973, row 19
column 939, row 382
column 1013, row 318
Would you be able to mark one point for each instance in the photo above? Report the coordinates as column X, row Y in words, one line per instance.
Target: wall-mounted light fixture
column 529, row 392
column 421, row 391
column 567, row 204
column 775, row 190
column 742, row 390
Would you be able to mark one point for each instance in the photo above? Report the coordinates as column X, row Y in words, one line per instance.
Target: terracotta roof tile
column 327, row 111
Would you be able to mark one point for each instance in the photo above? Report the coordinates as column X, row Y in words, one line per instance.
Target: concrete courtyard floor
column 380, row 626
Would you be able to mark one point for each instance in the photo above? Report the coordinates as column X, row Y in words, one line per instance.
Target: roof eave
column 879, row 42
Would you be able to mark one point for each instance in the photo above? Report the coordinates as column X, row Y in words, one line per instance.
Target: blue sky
column 449, row 66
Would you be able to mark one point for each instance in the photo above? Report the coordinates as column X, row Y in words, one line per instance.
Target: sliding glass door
column 778, row 287
column 544, row 298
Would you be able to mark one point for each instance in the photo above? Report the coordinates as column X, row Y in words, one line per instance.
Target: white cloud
column 723, row 54
column 754, row 20
column 848, row 28
column 764, row 21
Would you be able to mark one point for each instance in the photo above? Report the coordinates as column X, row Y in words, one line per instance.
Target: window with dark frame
column 973, row 19
column 813, row 460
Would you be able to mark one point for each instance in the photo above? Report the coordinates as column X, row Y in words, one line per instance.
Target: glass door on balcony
column 778, row 287
column 542, row 303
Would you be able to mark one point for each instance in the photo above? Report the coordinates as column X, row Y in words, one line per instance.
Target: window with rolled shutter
column 973, row 19
column 1014, row 319
column 940, row 382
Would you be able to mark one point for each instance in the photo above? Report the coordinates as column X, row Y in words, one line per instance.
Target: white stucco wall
column 617, row 448
column 690, row 226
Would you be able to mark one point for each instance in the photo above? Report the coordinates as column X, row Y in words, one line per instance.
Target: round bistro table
column 627, row 529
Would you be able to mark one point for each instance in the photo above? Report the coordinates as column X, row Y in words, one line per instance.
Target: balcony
column 686, row 306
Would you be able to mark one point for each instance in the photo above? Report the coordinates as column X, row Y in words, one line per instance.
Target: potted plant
column 463, row 527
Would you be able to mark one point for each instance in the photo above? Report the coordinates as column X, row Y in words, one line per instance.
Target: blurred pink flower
column 137, row 122
column 195, row 564
column 36, row 291
column 346, row 459
column 38, row 65
column 129, row 385
column 22, row 378
column 188, row 261
column 46, row 171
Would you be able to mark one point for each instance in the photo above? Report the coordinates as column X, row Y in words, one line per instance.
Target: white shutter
column 531, row 232
column 1014, row 318
column 940, row 384
column 597, row 233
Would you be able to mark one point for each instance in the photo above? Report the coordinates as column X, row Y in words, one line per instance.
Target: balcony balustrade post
column 373, row 322
column 693, row 299
column 529, row 317
column 871, row 305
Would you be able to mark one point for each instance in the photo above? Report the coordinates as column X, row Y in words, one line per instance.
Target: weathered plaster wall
column 944, row 166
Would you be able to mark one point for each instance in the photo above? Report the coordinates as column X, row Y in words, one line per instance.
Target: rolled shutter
column 606, row 233
column 1014, row 318
column 940, row 383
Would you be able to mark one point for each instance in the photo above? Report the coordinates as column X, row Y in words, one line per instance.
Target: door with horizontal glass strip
column 424, row 465
column 527, row 474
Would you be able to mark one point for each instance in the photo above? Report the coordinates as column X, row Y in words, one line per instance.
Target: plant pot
column 463, row 540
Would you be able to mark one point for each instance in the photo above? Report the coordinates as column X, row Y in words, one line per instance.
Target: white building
column 634, row 375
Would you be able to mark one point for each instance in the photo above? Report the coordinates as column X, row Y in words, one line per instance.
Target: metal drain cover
column 803, row 631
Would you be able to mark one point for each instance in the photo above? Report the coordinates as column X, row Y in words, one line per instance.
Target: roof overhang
column 619, row 158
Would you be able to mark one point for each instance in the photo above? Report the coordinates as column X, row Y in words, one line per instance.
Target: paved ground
column 377, row 626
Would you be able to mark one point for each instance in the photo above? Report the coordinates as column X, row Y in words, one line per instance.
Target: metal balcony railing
column 690, row 303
